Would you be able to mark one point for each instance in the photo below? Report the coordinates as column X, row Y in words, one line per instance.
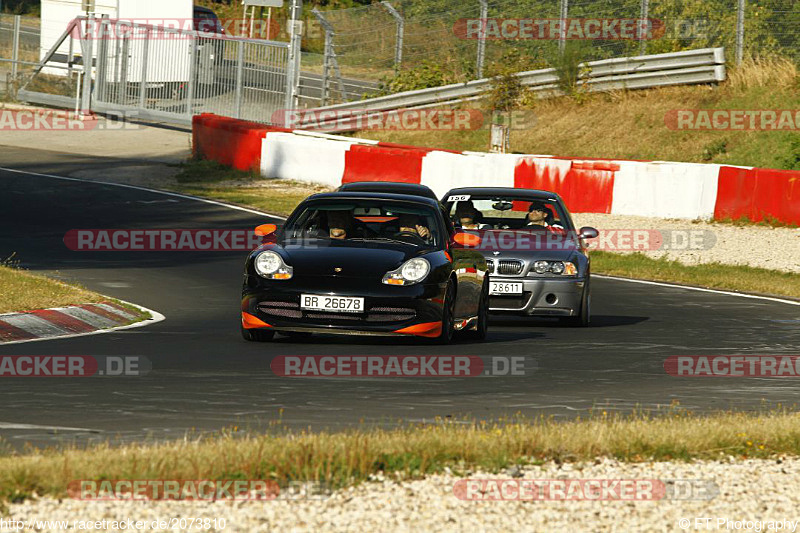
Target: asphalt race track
column 206, row 377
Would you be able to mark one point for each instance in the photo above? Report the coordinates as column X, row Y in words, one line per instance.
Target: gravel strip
column 758, row 246
column 748, row 490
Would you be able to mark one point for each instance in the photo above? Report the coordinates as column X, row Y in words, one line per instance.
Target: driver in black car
column 339, row 224
column 412, row 224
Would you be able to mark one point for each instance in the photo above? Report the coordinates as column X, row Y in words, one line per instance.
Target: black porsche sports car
column 366, row 263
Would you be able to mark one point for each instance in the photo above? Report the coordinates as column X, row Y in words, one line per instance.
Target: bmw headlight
column 540, row 267
column 270, row 265
column 559, row 268
column 411, row 272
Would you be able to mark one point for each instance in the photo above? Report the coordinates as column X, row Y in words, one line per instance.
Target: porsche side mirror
column 266, row 229
column 469, row 240
column 587, row 232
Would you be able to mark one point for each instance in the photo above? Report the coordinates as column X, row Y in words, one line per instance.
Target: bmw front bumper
column 540, row 297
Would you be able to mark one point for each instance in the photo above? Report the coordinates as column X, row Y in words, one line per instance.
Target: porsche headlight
column 411, row 272
column 270, row 265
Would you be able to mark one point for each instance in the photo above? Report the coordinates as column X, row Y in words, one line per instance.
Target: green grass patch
column 767, row 221
column 345, row 458
column 712, row 275
column 204, row 171
column 24, row 291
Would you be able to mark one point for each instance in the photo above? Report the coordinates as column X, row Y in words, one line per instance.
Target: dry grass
column 345, row 458
column 773, row 72
column 23, row 291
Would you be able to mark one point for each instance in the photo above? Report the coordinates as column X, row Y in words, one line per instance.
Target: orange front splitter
column 428, row 329
column 251, row 322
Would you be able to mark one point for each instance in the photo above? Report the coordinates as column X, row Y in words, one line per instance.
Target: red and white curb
column 71, row 321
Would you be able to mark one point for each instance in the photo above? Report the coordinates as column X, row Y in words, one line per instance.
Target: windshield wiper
column 364, row 239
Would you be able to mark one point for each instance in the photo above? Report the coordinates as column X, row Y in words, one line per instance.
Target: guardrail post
column 329, row 60
column 194, row 57
column 644, row 27
column 293, row 63
column 88, row 55
column 143, row 82
column 740, row 33
column 101, row 82
column 239, row 78
column 15, row 47
column 562, row 37
column 398, row 44
column 482, row 39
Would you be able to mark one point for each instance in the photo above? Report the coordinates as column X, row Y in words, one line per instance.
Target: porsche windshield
column 367, row 220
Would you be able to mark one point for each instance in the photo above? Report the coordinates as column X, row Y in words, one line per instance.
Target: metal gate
column 164, row 74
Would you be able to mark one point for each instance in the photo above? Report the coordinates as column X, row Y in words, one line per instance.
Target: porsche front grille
column 373, row 315
column 281, row 309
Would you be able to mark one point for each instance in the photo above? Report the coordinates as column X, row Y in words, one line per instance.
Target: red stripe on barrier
column 758, row 193
column 585, row 188
column 64, row 321
column 13, row 333
column 378, row 163
column 229, row 141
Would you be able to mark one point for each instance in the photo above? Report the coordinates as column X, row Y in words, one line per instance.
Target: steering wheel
column 413, row 235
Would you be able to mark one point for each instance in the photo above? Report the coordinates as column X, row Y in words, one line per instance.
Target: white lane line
column 11, row 425
column 146, row 189
column 254, row 211
column 700, row 289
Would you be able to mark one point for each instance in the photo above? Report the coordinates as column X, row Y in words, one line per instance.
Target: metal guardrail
column 706, row 65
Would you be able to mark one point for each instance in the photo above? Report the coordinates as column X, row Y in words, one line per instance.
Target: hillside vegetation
column 631, row 124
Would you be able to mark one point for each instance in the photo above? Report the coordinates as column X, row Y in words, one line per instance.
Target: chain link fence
column 409, row 44
column 397, row 45
column 19, row 50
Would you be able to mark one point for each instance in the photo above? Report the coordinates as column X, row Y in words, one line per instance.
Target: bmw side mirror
column 588, row 232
